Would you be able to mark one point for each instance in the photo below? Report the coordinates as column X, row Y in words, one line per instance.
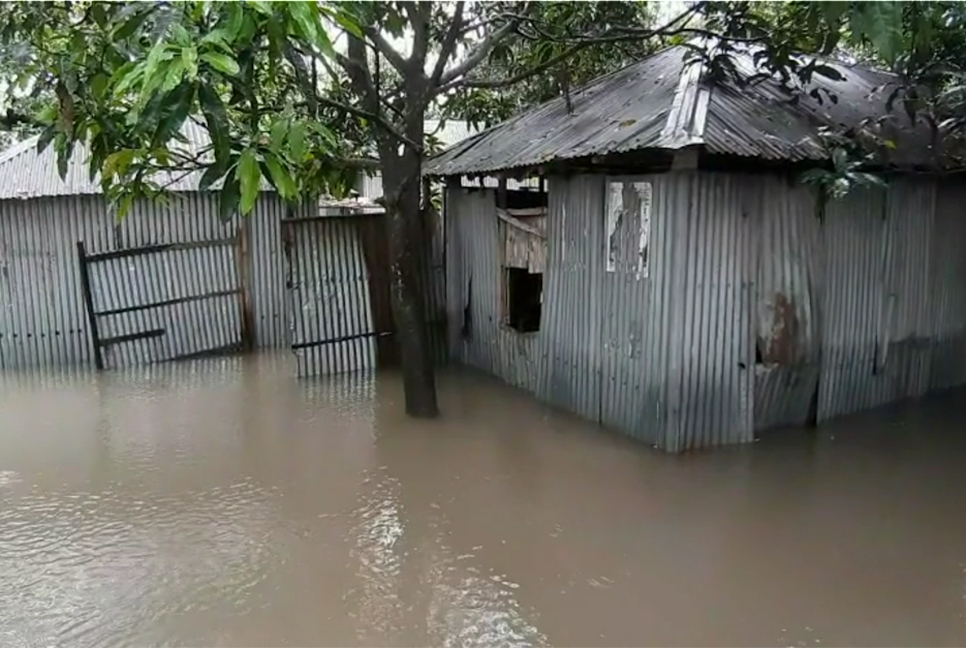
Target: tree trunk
column 408, row 246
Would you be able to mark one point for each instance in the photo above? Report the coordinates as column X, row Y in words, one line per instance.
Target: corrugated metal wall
column 849, row 305
column 42, row 316
column 713, row 254
column 333, row 327
column 629, row 352
column 789, row 258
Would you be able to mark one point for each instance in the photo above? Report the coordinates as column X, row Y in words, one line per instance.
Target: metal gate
column 165, row 302
column 339, row 286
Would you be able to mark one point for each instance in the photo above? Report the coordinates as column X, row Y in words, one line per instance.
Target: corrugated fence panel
column 203, row 279
column 856, row 249
column 267, row 274
column 948, row 363
column 716, row 263
column 905, row 330
column 332, row 330
column 572, row 294
column 42, row 317
column 788, row 286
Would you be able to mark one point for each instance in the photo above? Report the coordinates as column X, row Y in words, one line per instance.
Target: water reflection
column 225, row 503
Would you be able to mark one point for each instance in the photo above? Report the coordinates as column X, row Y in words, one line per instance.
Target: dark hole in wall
column 523, row 199
column 524, row 293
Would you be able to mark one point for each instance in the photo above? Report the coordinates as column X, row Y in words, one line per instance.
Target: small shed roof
column 25, row 173
column 664, row 102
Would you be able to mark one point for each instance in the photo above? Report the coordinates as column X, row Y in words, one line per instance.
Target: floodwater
column 224, row 503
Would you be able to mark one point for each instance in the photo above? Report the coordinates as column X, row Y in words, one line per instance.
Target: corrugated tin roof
column 449, row 131
column 663, row 103
column 25, row 173
column 622, row 111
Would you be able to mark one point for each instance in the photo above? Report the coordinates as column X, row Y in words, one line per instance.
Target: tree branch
column 356, row 65
column 371, row 116
column 448, row 44
column 522, row 76
column 419, row 20
column 479, row 54
column 381, row 44
column 12, row 119
column 614, row 35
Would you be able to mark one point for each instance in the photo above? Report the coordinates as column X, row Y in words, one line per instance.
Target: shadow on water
column 223, row 502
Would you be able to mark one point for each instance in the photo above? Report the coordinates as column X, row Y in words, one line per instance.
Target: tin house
column 677, row 282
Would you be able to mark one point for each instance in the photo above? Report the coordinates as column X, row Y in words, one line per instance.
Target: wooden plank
column 131, row 337
column 85, row 277
column 165, row 247
column 167, row 302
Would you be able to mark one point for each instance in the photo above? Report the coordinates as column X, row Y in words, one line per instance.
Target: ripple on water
column 100, row 569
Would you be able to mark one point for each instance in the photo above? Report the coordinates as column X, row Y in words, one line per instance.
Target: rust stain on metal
column 781, row 345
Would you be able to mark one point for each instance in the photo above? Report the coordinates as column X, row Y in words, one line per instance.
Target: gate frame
column 238, row 241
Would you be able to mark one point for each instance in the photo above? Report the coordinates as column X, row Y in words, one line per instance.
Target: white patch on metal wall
column 643, row 190
column 626, row 252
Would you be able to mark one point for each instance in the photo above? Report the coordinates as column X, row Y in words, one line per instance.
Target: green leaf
column 236, row 18
column 117, row 163
column 134, row 22
column 180, row 35
column 123, row 77
column 280, row 178
column 217, row 120
column 306, row 18
column 228, row 198
column 327, row 136
column 296, row 141
column 262, row 6
column 346, row 22
column 221, row 62
column 249, row 176
column 177, row 105
column 46, row 137
column 173, row 75
column 211, row 175
column 190, row 57
column 277, row 135
column 219, row 38
column 99, row 85
column 124, row 205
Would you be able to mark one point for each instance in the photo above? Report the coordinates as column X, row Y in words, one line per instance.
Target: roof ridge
column 688, row 115
column 18, row 148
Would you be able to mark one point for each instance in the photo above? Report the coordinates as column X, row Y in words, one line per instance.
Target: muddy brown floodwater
column 224, row 503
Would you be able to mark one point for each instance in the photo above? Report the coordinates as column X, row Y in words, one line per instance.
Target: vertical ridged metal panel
column 888, row 277
column 856, row 306
column 948, row 361
column 788, row 286
column 572, row 303
column 42, row 317
column 161, row 304
column 332, row 324
column 855, row 248
column 636, row 316
column 267, row 273
column 713, row 256
column 475, row 293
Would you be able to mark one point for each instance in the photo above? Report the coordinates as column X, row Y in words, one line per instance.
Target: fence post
column 89, row 304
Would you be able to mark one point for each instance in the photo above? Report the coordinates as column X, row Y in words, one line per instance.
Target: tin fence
column 339, row 279
column 166, row 302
